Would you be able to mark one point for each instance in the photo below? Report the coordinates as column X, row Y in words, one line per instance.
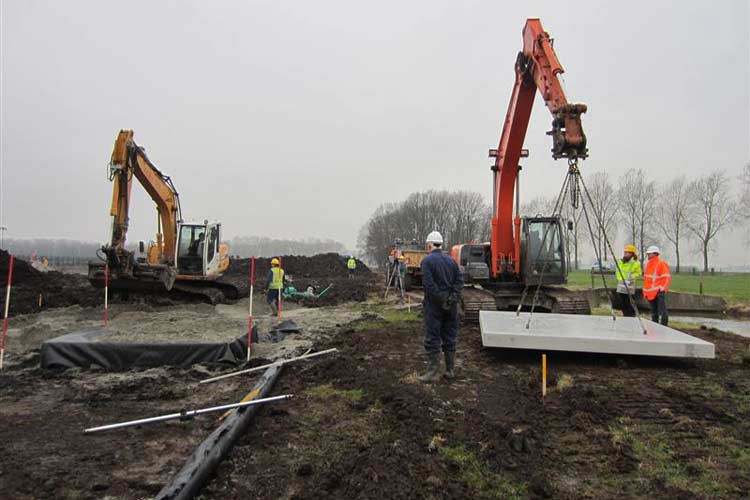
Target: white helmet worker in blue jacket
column 443, row 282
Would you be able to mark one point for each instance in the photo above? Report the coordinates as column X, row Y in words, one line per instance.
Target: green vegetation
column 477, row 474
column 385, row 318
column 563, row 382
column 326, row 391
column 733, row 287
column 661, row 463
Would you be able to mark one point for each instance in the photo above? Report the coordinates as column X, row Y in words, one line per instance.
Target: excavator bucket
column 143, row 278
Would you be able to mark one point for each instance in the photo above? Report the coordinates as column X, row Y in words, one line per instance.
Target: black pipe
column 200, row 466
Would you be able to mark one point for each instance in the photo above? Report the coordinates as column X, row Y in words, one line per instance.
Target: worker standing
column 443, row 283
column 351, row 265
column 628, row 271
column 656, row 281
column 274, row 283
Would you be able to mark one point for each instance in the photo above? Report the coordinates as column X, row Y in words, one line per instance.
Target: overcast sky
column 297, row 119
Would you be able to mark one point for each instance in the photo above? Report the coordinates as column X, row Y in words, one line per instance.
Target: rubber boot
column 450, row 363
column 274, row 310
column 433, row 368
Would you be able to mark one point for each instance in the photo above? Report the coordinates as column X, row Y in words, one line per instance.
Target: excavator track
column 213, row 292
column 572, row 305
column 551, row 299
column 474, row 300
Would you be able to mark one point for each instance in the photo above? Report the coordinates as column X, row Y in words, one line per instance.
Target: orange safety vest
column 656, row 278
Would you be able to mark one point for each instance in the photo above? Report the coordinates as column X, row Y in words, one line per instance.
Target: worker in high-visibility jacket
column 656, row 281
column 274, row 285
column 351, row 265
column 628, row 271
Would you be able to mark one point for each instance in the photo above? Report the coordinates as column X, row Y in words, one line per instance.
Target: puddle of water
column 738, row 326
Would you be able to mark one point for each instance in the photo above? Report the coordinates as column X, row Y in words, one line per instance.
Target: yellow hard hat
column 274, row 261
column 631, row 249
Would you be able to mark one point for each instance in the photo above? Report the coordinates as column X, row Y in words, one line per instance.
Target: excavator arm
column 537, row 67
column 120, row 266
column 128, row 160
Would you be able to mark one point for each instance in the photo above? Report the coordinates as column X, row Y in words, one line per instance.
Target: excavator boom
column 128, row 160
column 537, row 67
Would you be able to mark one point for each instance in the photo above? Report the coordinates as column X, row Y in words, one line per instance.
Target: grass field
column 733, row 287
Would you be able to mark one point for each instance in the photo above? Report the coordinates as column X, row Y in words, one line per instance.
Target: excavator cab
column 199, row 250
column 543, row 256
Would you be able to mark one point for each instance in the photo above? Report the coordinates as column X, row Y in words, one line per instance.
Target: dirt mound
column 60, row 290
column 56, row 289
column 325, row 265
column 318, row 271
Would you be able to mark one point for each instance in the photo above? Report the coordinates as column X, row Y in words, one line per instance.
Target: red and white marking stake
column 5, row 316
column 281, row 273
column 250, row 309
column 106, row 294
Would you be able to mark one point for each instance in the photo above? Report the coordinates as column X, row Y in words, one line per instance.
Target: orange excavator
column 186, row 257
column 526, row 252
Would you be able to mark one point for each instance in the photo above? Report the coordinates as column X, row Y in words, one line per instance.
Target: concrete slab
column 570, row 332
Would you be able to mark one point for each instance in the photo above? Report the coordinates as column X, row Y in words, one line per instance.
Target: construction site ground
column 362, row 425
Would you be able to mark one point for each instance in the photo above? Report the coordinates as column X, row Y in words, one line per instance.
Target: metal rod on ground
column 250, row 309
column 248, row 397
column 263, row 367
column 544, row 376
column 185, row 414
column 5, row 315
column 106, row 293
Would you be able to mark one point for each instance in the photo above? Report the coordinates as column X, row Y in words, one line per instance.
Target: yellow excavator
column 186, row 257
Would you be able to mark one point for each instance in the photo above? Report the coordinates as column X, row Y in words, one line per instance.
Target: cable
column 631, row 298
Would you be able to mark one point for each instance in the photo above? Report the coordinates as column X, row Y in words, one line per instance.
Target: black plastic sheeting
column 200, row 466
column 82, row 349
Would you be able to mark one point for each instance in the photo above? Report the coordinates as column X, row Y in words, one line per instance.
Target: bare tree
column 604, row 207
column 744, row 200
column 674, row 209
column 637, row 200
column 541, row 205
column 713, row 209
column 573, row 236
column 461, row 216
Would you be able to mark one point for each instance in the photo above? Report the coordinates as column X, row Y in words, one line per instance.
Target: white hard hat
column 653, row 249
column 435, row 237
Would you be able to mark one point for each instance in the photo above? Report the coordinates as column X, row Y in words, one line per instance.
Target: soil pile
column 60, row 289
column 56, row 289
column 318, row 271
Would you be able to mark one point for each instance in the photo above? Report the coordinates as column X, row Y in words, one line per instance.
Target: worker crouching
column 443, row 283
column 274, row 285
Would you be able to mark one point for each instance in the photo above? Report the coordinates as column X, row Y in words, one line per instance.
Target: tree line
column 674, row 214
column 632, row 208
column 244, row 246
column 262, row 246
column 460, row 216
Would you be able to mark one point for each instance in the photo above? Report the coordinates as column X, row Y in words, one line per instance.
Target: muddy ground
column 362, row 426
